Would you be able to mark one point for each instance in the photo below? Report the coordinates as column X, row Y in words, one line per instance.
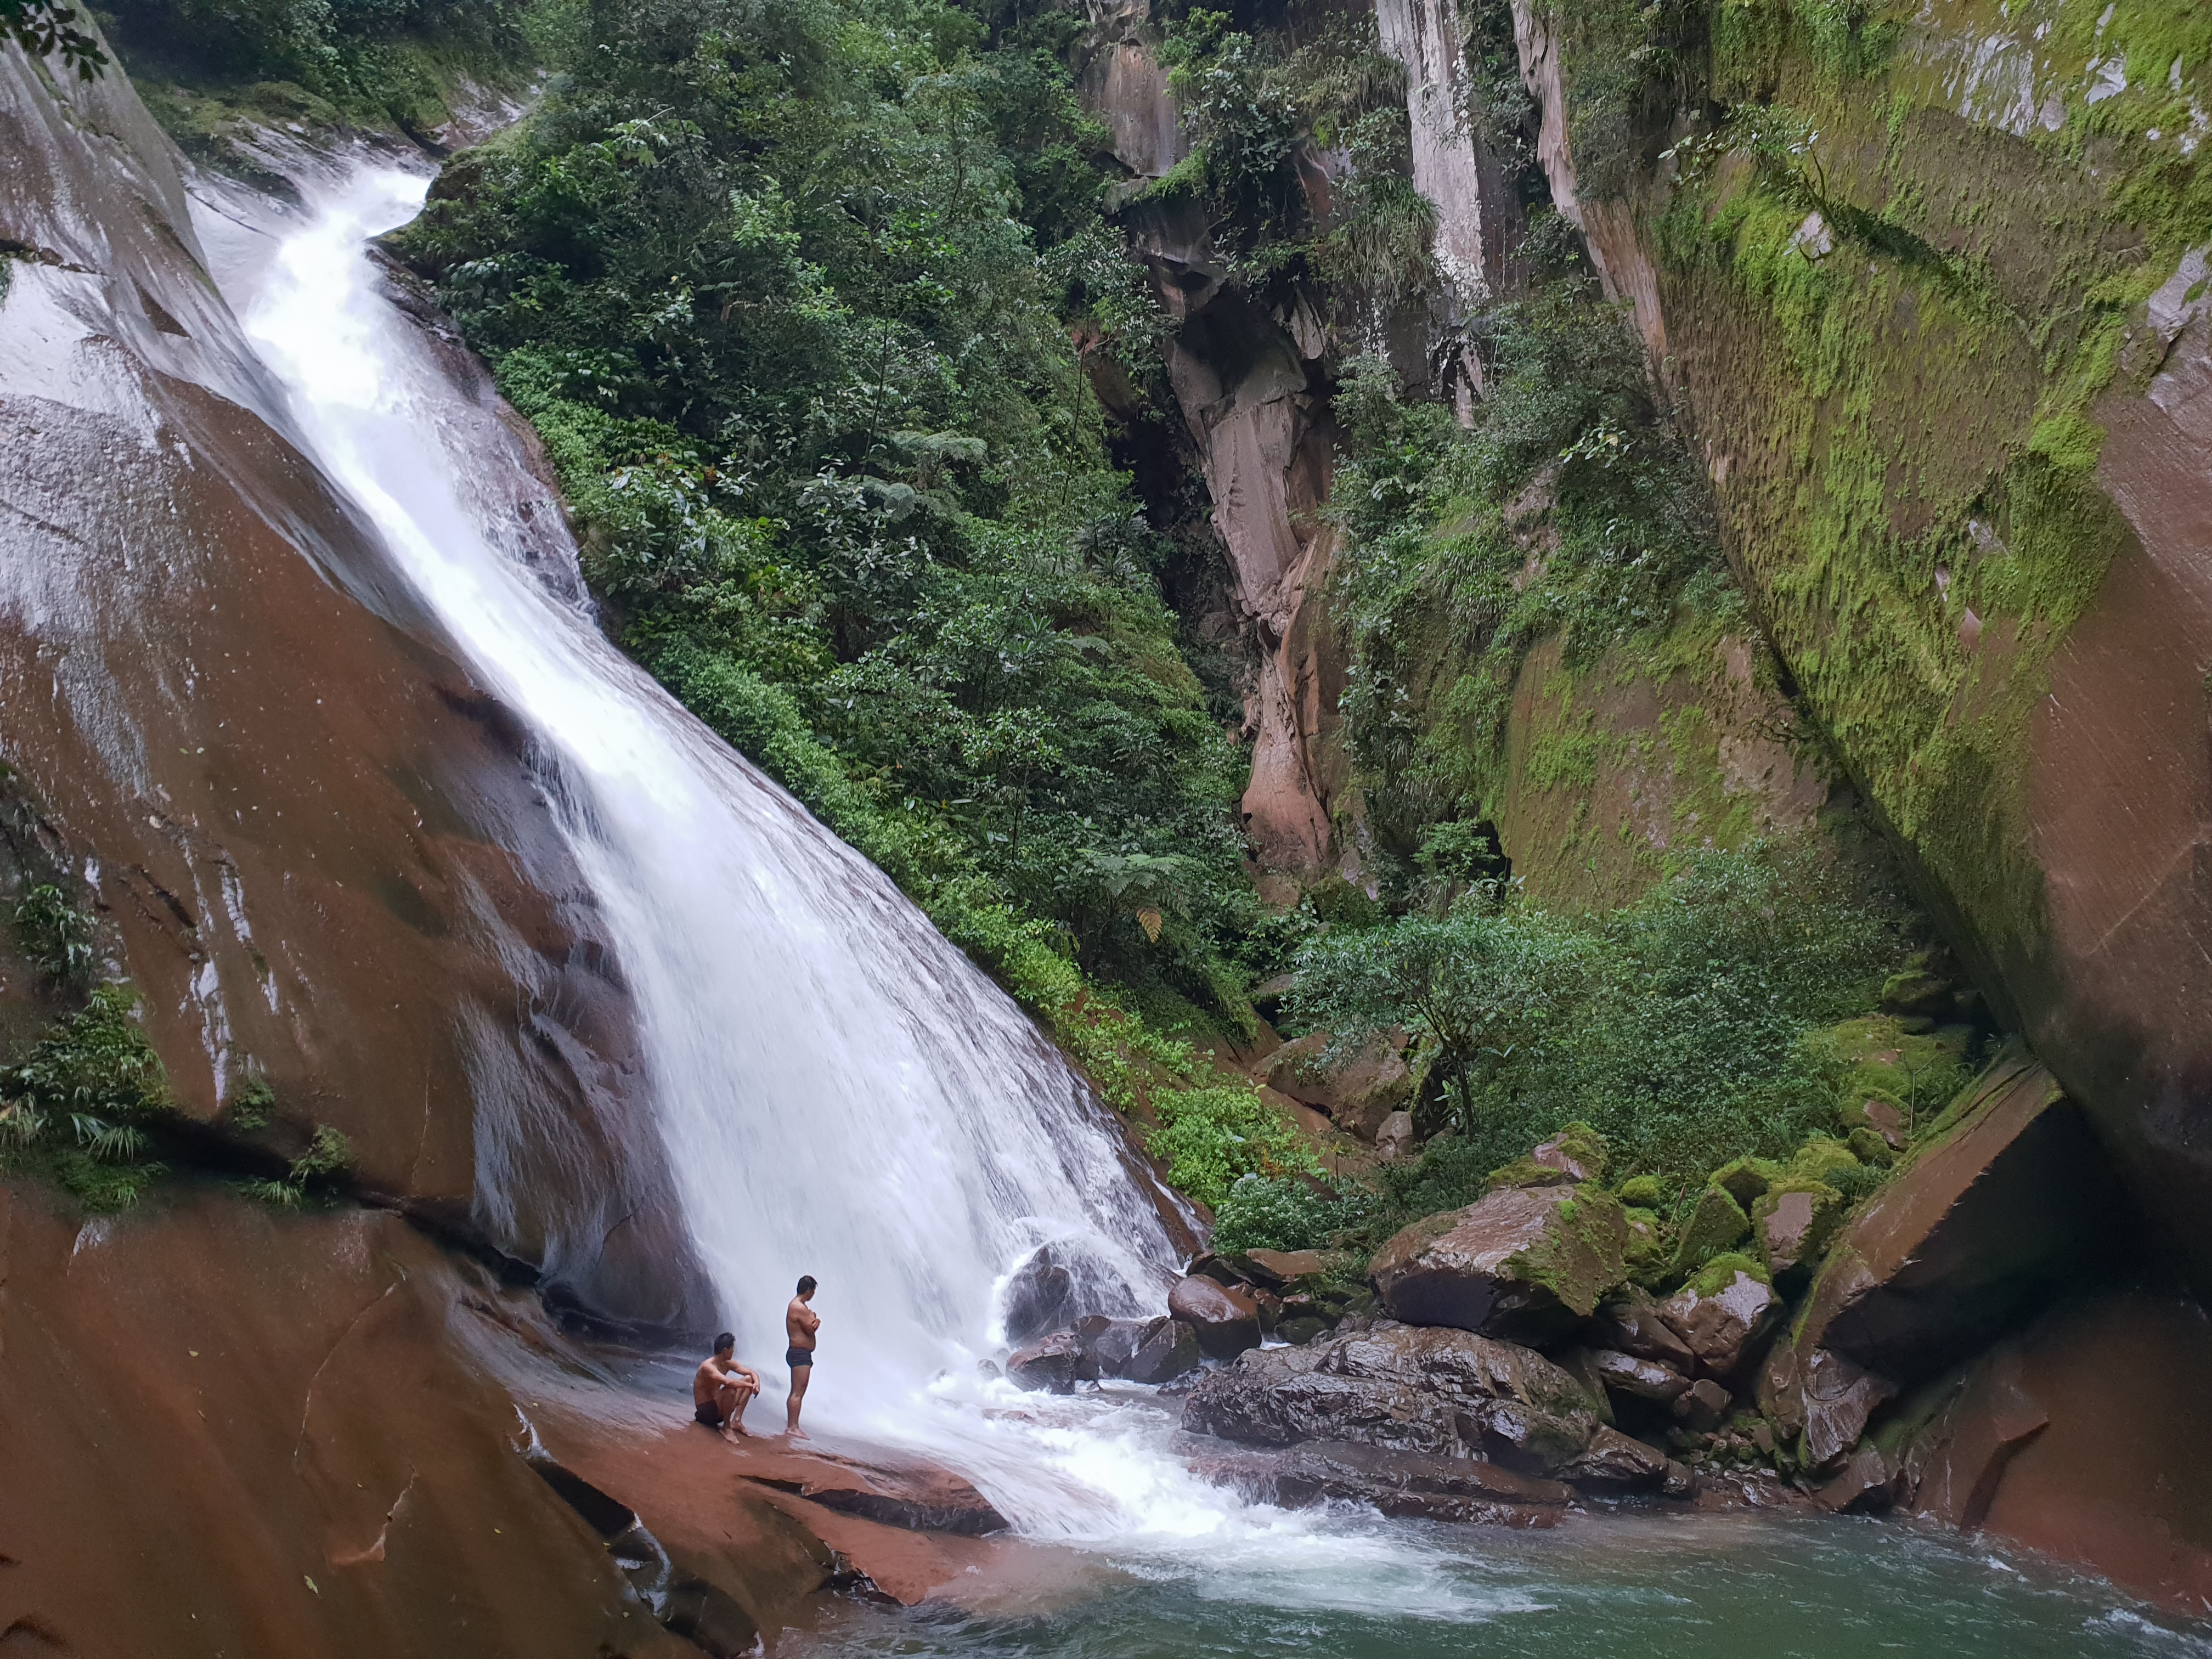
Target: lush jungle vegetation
column 803, row 296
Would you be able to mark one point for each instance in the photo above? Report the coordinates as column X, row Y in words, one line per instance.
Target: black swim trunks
column 708, row 1412
column 795, row 1358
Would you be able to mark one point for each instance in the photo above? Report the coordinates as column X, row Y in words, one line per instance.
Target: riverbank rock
column 1722, row 1313
column 1109, row 1345
column 2006, row 1202
column 1225, row 1318
column 1360, row 1092
column 1616, row 1462
column 1839, row 1398
column 1520, row 1263
column 1630, row 1321
column 1408, row 1484
column 1409, row 1388
column 1169, row 1349
column 1048, row 1366
column 1575, row 1155
column 1638, row 1378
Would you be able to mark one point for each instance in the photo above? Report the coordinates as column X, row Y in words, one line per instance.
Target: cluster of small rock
column 1782, row 1346
column 1224, row 1307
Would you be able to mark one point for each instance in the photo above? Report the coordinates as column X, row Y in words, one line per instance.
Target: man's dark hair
column 727, row 1340
column 806, row 1285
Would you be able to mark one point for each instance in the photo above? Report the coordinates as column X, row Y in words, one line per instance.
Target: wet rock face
column 1523, row 1263
column 1410, row 1390
column 1721, row 1314
column 330, row 1408
column 316, row 848
column 2084, row 1435
column 1410, row 1485
column 1226, row 1319
column 1167, row 1350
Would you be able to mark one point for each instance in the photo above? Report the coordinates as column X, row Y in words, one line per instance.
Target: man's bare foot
column 796, row 1434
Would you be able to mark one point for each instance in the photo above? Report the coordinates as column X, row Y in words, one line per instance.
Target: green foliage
column 253, row 1103
column 1684, row 1028
column 57, row 938
column 327, row 1160
column 350, row 51
column 1261, row 106
column 1569, row 510
column 76, row 1106
column 796, row 294
column 1484, row 987
column 1210, row 1137
column 43, row 27
column 1284, row 1213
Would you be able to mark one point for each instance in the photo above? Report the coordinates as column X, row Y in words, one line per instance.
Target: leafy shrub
column 57, row 938
column 1679, row 1026
column 1281, row 1212
column 328, row 1156
column 78, row 1105
column 1209, row 1138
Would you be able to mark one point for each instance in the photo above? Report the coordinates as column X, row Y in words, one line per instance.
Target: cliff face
column 315, row 847
column 1931, row 303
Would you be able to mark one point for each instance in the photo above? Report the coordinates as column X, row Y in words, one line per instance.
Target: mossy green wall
column 1900, row 430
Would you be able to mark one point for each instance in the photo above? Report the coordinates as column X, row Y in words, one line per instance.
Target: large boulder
column 1630, row 1322
column 1226, row 1318
column 1109, row 1345
column 1793, row 1221
column 1039, row 1297
column 1575, row 1155
column 1718, row 1224
column 1839, row 1398
column 1410, row 1389
column 1412, row 1485
column 1615, row 1462
column 1637, row 1379
column 1358, row 1091
column 2006, row 1202
column 1523, row 1263
column 1722, row 1312
column 1167, row 1349
column 1048, row 1366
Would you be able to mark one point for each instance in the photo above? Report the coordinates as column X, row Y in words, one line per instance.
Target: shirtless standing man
column 722, row 1389
column 799, row 1324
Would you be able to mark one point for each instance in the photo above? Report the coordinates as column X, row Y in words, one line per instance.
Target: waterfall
column 840, row 1091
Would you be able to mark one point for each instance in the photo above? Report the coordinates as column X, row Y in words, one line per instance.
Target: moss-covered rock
column 1641, row 1193
column 1577, row 1153
column 1718, row 1224
column 1527, row 1264
column 1646, row 1256
column 1821, row 1158
column 1794, row 1222
column 1744, row 1179
column 1871, row 1148
column 1892, row 1076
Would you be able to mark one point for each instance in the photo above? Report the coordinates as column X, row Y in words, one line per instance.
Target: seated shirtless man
column 799, row 1324
column 722, row 1389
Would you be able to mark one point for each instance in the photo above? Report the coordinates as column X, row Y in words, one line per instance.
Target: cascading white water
column 840, row 1090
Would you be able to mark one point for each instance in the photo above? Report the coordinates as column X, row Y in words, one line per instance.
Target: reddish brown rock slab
column 902, row 1566
column 2087, row 1435
column 230, row 1429
column 2012, row 1199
